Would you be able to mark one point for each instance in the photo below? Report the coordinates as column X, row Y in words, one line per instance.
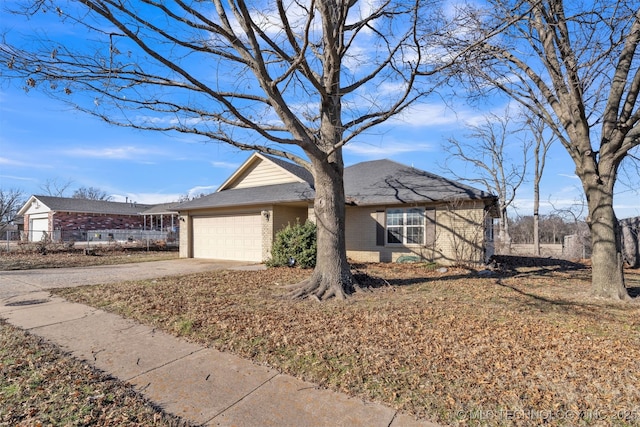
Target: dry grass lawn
column 29, row 260
column 525, row 347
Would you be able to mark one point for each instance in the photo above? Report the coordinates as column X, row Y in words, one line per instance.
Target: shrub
column 295, row 245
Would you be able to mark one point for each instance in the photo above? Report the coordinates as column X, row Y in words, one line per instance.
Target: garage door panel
column 228, row 237
column 38, row 227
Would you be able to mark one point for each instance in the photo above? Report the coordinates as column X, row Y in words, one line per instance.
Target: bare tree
column 486, row 150
column 630, row 175
column 91, row 193
column 293, row 79
column 541, row 145
column 575, row 66
column 11, row 200
column 55, row 187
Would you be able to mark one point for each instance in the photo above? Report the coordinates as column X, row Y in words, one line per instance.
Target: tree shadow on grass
column 369, row 279
column 603, row 310
column 513, row 264
column 499, row 267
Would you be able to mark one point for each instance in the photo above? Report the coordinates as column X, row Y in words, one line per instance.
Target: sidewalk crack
column 242, row 398
column 163, row 365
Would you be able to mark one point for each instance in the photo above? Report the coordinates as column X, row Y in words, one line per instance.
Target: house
column 393, row 210
column 12, row 230
column 65, row 219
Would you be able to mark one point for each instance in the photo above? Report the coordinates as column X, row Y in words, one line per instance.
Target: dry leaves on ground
column 525, row 348
column 28, row 260
column 40, row 386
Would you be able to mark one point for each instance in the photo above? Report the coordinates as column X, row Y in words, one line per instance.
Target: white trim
column 247, row 164
column 404, row 226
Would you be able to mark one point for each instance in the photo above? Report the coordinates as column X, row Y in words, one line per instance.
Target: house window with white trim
column 405, row 226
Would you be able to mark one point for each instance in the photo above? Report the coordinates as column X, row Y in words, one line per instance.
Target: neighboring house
column 62, row 218
column 393, row 210
column 12, row 230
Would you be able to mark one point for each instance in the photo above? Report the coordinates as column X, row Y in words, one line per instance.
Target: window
column 488, row 228
column 405, row 226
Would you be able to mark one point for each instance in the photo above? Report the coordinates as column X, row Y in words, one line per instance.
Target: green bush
column 297, row 243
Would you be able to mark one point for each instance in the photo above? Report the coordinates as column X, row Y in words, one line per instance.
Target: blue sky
column 43, row 140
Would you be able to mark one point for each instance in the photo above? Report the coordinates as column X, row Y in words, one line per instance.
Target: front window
column 405, row 226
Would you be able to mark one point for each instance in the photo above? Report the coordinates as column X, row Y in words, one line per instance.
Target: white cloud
column 429, row 115
column 11, row 162
column 125, row 152
column 19, row 178
column 224, row 165
column 145, row 198
column 566, row 175
column 201, row 189
column 386, row 149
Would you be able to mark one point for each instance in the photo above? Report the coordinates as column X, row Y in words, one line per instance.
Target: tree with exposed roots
column 575, row 66
column 295, row 79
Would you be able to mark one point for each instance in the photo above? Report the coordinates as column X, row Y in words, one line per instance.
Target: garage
column 237, row 237
column 37, row 228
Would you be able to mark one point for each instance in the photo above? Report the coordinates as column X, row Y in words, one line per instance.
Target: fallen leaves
column 451, row 347
column 28, row 259
column 40, row 385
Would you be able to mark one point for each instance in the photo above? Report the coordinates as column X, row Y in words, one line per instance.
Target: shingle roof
column 162, row 209
column 67, row 204
column 378, row 182
column 278, row 193
column 387, row 182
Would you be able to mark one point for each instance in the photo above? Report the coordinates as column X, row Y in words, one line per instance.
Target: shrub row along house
column 393, row 211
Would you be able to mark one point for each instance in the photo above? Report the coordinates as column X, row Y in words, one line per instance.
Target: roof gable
column 262, row 170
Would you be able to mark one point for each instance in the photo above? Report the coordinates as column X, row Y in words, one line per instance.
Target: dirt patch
column 527, row 346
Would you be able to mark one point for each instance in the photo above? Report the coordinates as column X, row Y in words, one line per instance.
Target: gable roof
column 378, row 182
column 293, row 168
column 68, row 204
column 261, row 169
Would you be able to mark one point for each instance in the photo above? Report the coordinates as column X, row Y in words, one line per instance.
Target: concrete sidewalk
column 200, row 384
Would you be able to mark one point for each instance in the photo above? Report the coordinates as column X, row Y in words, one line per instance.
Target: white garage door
column 228, row 237
column 37, row 227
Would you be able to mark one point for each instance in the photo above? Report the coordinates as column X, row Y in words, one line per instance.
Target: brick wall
column 459, row 236
column 67, row 221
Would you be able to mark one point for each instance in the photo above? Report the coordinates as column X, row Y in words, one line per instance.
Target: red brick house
column 62, row 218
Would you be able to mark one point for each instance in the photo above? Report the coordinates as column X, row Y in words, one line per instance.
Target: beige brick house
column 393, row 210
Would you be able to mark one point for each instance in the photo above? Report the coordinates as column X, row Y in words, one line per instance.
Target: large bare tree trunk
column 332, row 274
column 607, row 278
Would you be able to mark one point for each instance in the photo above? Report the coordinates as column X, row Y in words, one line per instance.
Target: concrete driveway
column 20, row 282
